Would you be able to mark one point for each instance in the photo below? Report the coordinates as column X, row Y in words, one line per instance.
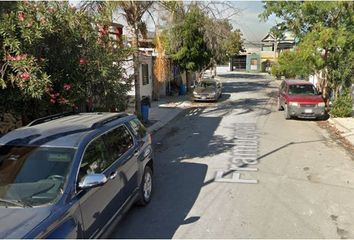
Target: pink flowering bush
column 56, row 57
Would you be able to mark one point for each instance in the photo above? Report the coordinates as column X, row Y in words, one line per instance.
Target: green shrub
column 276, row 71
column 342, row 106
column 290, row 64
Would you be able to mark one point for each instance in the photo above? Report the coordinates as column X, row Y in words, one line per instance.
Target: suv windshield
column 205, row 84
column 302, row 89
column 32, row 175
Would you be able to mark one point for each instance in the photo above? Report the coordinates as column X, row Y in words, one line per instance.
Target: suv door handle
column 113, row 175
column 136, row 152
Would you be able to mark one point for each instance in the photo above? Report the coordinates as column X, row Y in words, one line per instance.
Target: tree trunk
column 322, row 84
column 200, row 75
column 214, row 68
column 136, row 72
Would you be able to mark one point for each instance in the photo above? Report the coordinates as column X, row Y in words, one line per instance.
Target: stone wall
column 9, row 121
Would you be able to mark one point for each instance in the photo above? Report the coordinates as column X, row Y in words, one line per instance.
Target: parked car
column 208, row 89
column 299, row 98
column 73, row 175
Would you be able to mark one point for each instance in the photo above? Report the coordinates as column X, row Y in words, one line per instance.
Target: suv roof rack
column 109, row 119
column 50, row 118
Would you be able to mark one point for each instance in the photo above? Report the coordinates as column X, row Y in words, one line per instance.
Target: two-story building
column 259, row 56
column 271, row 48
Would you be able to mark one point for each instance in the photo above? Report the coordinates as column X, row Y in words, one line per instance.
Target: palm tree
column 133, row 12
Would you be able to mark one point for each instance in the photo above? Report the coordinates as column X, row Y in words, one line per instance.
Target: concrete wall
column 8, row 122
column 146, row 90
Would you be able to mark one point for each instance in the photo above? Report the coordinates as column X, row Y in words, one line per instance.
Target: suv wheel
column 286, row 112
column 279, row 107
column 146, row 185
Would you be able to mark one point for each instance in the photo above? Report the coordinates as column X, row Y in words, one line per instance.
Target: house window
column 145, row 73
column 267, row 48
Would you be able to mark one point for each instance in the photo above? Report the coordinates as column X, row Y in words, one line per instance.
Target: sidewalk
column 165, row 110
column 345, row 126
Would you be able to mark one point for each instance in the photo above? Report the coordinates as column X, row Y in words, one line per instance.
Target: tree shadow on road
column 177, row 181
column 262, row 106
column 243, row 76
column 238, row 87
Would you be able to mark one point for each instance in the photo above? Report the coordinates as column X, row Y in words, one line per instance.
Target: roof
column 297, row 82
column 287, row 37
column 67, row 131
column 268, row 38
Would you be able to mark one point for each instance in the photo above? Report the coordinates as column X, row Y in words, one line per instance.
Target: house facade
column 259, row 56
column 248, row 60
column 271, row 48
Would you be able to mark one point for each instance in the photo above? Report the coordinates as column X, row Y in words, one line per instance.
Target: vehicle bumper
column 306, row 112
column 204, row 98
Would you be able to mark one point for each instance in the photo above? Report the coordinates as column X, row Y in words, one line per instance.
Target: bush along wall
column 342, row 106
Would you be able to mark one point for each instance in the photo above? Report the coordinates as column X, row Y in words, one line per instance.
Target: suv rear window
column 105, row 150
column 118, row 142
column 95, row 158
column 138, row 128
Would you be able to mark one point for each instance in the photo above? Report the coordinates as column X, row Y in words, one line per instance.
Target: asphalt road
column 240, row 170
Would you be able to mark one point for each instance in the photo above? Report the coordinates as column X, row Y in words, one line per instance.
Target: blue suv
column 73, row 175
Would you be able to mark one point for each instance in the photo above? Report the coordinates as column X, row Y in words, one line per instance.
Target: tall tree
column 233, row 44
column 216, row 33
column 133, row 12
column 218, row 38
column 325, row 35
column 192, row 53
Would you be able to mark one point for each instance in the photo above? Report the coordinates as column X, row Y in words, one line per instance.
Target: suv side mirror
column 93, row 180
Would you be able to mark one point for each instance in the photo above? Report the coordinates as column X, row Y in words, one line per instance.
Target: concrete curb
column 342, row 130
column 335, row 123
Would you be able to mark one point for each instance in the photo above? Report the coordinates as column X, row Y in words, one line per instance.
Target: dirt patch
column 342, row 233
column 337, row 137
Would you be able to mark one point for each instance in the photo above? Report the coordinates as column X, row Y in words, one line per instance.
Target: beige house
column 271, row 48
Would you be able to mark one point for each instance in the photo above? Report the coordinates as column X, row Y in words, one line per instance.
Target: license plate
column 203, row 98
column 308, row 111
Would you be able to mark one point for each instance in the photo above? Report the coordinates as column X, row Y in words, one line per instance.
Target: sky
column 248, row 22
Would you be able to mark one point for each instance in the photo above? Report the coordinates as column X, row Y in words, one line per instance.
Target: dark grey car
column 208, row 89
column 73, row 175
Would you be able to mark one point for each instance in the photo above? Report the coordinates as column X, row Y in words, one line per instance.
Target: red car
column 299, row 98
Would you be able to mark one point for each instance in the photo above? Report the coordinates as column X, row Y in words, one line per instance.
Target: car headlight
column 195, row 93
column 294, row 104
column 321, row 104
column 212, row 94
